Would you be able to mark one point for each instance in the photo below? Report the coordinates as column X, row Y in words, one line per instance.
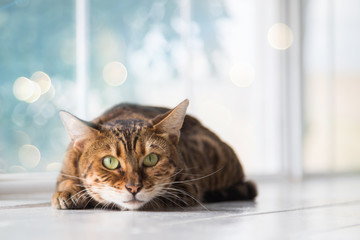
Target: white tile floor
column 318, row 208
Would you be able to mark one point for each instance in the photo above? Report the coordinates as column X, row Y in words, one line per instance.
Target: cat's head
column 127, row 163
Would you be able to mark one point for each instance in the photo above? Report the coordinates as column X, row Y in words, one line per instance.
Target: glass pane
column 37, row 76
column 332, row 83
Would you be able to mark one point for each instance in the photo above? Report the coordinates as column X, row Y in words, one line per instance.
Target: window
column 331, row 86
column 244, row 65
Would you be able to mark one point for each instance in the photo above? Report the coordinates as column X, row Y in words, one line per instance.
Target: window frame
column 292, row 97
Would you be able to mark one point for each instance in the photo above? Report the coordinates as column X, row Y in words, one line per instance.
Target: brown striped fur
column 194, row 165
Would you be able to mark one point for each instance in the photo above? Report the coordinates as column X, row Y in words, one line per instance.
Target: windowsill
column 15, row 183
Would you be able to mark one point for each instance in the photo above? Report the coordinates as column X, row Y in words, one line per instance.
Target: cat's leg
column 239, row 191
column 70, row 194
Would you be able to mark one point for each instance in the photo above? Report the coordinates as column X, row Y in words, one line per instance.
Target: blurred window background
column 331, row 86
column 230, row 58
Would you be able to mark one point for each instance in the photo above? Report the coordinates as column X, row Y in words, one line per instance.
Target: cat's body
column 159, row 165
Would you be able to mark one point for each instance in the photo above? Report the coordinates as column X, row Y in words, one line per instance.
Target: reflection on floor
column 318, row 208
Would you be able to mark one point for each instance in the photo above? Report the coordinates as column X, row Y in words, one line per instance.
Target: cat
column 137, row 157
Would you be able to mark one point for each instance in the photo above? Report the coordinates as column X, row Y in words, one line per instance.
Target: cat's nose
column 133, row 189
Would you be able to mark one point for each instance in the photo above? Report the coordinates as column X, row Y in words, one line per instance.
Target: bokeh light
column 49, row 95
column 242, row 74
column 29, row 156
column 43, row 80
column 114, row 73
column 35, row 94
column 23, row 88
column 27, row 90
column 53, row 167
column 280, row 36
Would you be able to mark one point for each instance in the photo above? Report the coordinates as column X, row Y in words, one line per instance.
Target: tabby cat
column 140, row 157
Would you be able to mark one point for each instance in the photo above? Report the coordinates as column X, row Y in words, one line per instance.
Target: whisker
column 157, row 203
column 188, row 181
column 82, row 195
column 101, row 202
column 106, row 205
column 161, row 198
column 196, row 179
column 113, row 205
column 79, row 178
column 169, row 199
column 152, row 204
column 90, row 199
column 189, row 195
column 74, row 196
column 176, row 173
column 175, row 196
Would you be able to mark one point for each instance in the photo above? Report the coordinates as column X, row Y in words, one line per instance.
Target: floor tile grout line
column 266, row 212
column 28, row 205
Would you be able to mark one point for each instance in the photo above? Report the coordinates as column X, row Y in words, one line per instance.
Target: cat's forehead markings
column 117, row 150
column 127, row 132
column 130, row 124
column 128, row 137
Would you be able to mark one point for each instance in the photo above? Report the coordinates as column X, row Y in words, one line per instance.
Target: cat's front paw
column 69, row 200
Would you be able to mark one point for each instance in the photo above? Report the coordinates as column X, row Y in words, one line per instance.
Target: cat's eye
column 111, row 162
column 150, row 160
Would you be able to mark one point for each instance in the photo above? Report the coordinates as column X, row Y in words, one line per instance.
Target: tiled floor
column 318, row 208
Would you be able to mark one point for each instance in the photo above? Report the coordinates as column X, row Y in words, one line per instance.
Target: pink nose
column 133, row 189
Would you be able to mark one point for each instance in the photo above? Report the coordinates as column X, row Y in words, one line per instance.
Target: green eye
column 150, row 160
column 111, row 163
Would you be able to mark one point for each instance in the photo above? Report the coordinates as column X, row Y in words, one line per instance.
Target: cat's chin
column 132, row 205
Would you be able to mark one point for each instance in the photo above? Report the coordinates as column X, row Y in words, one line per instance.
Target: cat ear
column 171, row 121
column 79, row 131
